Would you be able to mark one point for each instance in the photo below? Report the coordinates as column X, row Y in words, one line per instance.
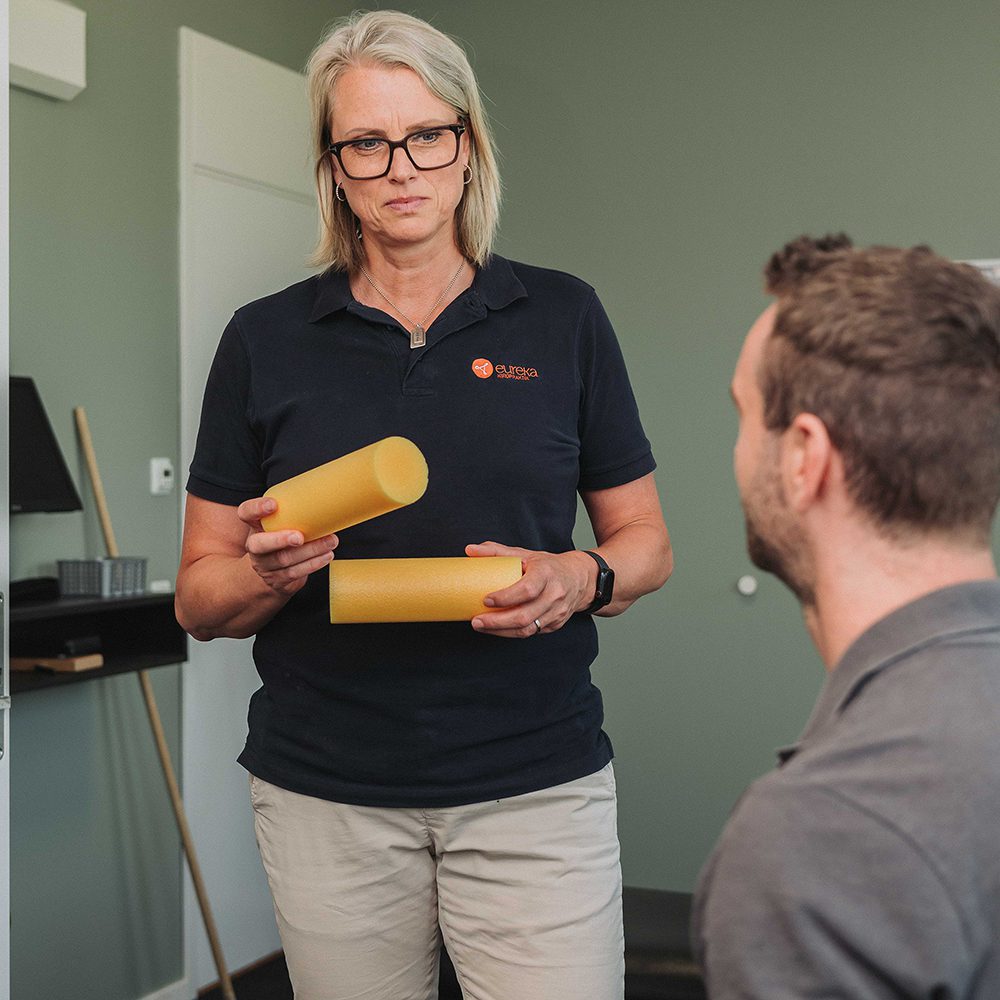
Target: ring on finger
column 538, row 626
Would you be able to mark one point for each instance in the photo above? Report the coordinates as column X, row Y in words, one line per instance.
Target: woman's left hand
column 554, row 586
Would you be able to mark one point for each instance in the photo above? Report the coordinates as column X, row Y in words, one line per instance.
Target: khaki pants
column 526, row 892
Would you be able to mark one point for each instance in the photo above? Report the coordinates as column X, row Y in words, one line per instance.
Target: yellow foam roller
column 374, row 480
column 416, row 590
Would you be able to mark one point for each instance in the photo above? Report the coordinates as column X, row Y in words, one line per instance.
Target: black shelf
column 136, row 633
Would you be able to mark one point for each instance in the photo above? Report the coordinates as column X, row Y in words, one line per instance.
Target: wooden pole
column 186, row 839
column 83, row 428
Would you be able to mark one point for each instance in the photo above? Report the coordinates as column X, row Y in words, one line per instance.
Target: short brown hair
column 897, row 351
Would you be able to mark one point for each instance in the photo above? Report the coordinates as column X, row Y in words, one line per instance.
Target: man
column 868, row 461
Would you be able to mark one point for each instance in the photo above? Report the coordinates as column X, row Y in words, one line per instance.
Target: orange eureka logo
column 484, row 368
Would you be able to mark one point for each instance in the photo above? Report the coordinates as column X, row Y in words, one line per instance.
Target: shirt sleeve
column 614, row 449
column 227, row 463
column 810, row 895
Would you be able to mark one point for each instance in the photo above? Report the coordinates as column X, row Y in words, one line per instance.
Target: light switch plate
column 161, row 476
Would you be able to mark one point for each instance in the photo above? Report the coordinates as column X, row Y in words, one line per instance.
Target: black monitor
column 39, row 479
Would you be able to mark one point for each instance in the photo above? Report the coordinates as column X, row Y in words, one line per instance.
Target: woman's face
column 408, row 206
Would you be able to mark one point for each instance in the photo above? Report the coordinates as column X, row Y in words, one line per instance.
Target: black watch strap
column 605, row 584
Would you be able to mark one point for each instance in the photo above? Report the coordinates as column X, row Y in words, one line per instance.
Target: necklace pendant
column 417, row 337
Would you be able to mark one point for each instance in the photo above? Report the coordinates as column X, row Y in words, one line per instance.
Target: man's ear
column 808, row 458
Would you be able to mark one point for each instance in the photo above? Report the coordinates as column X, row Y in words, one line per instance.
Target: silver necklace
column 418, row 333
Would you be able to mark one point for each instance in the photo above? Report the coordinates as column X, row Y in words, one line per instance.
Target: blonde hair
column 391, row 38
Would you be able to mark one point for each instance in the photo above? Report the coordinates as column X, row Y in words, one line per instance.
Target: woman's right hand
column 282, row 559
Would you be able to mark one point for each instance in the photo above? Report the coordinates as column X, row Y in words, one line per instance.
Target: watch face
column 605, row 585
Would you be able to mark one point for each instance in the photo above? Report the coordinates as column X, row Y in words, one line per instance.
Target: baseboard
column 174, row 991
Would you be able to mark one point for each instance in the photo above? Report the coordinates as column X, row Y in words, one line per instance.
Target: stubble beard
column 775, row 542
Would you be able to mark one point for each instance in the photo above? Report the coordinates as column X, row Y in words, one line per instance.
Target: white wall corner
column 48, row 48
column 991, row 268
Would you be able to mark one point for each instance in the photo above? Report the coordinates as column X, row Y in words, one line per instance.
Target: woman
column 408, row 778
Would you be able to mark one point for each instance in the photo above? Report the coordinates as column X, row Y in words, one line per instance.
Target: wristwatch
column 605, row 584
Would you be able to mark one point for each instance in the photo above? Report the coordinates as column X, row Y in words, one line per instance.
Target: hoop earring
column 467, row 180
column 338, row 192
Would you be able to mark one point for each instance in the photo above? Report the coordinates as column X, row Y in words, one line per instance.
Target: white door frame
column 4, row 505
column 243, row 158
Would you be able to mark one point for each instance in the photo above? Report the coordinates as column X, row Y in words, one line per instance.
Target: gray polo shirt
column 868, row 864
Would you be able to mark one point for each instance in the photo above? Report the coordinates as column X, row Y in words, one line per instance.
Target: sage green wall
column 660, row 150
column 96, row 874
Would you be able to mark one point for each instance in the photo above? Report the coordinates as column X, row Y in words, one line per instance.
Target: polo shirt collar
column 495, row 285
column 963, row 609
column 333, row 292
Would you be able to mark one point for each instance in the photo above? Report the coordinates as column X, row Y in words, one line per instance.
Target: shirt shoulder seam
column 591, row 298
column 242, row 337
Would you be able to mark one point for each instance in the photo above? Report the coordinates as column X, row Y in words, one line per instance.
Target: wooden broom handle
column 83, row 429
column 86, row 442
column 186, row 839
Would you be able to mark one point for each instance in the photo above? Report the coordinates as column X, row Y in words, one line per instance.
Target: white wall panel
column 247, row 225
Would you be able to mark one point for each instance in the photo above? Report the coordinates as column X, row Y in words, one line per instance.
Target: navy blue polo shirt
column 519, row 400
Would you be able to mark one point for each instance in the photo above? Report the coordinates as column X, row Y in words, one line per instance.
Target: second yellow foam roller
column 449, row 589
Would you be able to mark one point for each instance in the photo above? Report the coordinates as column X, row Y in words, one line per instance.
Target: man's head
column 897, row 353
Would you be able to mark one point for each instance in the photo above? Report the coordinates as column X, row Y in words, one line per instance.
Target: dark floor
column 267, row 981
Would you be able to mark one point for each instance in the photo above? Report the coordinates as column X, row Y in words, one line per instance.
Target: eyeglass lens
column 428, row 150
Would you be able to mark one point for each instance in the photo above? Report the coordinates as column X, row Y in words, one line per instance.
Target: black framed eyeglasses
column 370, row 156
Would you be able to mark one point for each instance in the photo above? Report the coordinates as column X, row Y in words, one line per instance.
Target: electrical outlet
column 161, row 476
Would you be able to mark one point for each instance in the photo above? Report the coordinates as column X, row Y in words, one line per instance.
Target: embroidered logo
column 519, row 372
column 484, row 368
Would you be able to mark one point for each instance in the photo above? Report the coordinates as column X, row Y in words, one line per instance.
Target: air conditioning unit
column 48, row 48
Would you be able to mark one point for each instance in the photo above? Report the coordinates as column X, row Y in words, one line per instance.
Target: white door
column 247, row 224
column 4, row 519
